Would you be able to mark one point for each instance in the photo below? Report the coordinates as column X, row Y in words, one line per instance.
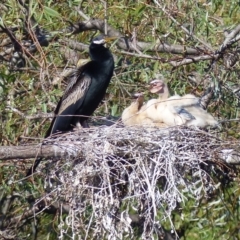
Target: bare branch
column 191, row 60
column 33, row 151
column 182, row 27
column 231, row 38
column 82, row 14
column 97, row 24
column 61, row 145
column 36, row 116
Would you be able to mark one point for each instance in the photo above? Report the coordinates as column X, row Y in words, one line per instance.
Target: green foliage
column 214, row 218
column 30, row 92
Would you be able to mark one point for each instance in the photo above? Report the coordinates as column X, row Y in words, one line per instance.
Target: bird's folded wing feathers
column 183, row 113
column 75, row 90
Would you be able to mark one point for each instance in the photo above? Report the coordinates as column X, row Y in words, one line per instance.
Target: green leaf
column 44, row 107
column 139, row 10
column 32, row 8
column 114, row 109
column 156, row 67
column 51, row 12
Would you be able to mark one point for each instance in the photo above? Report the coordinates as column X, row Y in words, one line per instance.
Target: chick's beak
column 150, row 86
column 137, row 95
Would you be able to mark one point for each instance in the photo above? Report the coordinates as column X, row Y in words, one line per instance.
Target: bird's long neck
column 135, row 106
column 164, row 94
column 103, row 57
column 100, row 53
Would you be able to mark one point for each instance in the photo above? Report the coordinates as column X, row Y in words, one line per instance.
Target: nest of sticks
column 109, row 174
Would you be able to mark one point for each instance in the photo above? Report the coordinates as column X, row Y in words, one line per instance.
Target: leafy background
column 30, row 90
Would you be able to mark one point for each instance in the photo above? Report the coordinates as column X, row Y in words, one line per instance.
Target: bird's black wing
column 74, row 94
column 76, row 89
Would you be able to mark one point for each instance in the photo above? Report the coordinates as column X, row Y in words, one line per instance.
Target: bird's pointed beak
column 110, row 39
column 149, row 86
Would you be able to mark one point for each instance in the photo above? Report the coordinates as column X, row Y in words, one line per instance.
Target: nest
column 118, row 173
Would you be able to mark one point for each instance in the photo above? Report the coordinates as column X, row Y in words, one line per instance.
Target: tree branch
column 97, row 24
column 70, row 145
column 38, row 150
column 231, row 38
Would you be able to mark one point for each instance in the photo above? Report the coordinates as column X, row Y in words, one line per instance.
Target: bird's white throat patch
column 101, row 41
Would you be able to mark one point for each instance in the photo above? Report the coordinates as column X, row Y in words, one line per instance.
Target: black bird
column 86, row 89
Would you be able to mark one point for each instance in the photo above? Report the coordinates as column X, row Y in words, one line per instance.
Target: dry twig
column 131, row 168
